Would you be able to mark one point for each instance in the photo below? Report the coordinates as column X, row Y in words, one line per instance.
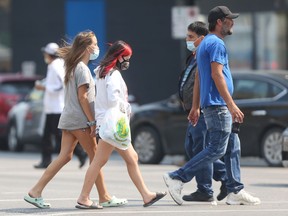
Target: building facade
column 259, row 40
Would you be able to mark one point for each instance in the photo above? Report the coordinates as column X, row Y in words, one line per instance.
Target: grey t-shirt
column 73, row 117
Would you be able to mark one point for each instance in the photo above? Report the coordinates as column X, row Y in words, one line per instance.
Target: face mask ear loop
column 122, row 59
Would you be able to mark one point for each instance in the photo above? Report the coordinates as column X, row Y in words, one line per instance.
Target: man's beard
column 230, row 32
column 226, row 32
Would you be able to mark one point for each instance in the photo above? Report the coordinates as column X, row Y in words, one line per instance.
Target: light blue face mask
column 95, row 54
column 190, row 45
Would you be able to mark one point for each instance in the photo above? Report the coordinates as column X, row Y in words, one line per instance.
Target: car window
column 254, row 89
column 21, row 88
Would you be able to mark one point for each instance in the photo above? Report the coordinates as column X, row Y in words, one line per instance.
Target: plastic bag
column 115, row 128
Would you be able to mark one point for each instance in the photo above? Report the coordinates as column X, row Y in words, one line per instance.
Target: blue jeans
column 218, row 121
column 232, row 164
column 196, row 140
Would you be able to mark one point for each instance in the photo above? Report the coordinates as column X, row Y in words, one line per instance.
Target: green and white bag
column 115, row 127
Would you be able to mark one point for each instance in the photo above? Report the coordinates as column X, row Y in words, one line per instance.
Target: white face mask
column 95, row 54
column 190, row 45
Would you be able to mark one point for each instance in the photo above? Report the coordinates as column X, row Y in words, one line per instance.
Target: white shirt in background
column 54, row 87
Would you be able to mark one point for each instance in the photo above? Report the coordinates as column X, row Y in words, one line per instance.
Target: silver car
column 26, row 121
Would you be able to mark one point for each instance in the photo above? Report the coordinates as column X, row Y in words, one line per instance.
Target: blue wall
column 87, row 14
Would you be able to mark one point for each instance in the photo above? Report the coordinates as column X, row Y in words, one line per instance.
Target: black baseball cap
column 221, row 12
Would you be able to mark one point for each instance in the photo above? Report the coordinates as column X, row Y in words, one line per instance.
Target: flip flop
column 94, row 205
column 114, row 202
column 159, row 195
column 38, row 202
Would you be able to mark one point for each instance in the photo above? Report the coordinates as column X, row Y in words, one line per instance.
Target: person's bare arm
column 217, row 76
column 83, row 100
column 195, row 111
column 39, row 86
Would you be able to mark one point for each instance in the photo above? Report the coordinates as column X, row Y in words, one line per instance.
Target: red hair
column 117, row 49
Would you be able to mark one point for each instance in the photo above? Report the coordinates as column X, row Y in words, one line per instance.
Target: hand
column 38, row 85
column 237, row 115
column 194, row 116
column 93, row 131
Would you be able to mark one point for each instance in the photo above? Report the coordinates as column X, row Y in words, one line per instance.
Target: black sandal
column 159, row 195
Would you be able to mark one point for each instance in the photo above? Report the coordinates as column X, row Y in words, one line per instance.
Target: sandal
column 159, row 195
column 94, row 205
column 114, row 202
column 38, row 202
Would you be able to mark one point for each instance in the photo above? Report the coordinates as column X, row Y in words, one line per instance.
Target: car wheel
column 13, row 142
column 272, row 147
column 147, row 144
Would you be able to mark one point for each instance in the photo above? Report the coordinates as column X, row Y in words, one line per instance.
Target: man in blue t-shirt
column 213, row 54
column 197, row 137
column 213, row 91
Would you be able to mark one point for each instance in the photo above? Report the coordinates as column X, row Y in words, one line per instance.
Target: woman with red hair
column 111, row 89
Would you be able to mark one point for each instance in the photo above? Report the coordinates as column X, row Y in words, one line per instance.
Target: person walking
column 215, row 86
column 77, row 120
column 111, row 89
column 53, row 87
column 196, row 135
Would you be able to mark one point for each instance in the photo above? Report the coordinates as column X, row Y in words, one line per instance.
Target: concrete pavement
column 17, row 175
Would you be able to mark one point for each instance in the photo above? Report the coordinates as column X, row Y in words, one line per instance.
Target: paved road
column 17, row 175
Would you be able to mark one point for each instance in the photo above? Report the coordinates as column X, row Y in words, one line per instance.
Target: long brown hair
column 73, row 54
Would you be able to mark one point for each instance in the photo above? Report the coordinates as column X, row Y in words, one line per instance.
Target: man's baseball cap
column 220, row 12
column 50, row 48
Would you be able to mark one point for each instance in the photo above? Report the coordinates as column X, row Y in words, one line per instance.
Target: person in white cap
column 53, row 105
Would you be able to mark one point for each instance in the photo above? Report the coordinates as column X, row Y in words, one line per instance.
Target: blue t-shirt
column 212, row 49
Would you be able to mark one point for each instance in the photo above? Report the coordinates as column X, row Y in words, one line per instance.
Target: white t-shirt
column 54, row 87
column 109, row 91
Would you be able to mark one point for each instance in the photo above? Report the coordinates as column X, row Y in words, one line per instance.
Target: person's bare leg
column 90, row 146
column 101, row 157
column 68, row 143
column 131, row 158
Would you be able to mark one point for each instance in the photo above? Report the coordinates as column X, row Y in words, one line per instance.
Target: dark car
column 159, row 128
column 285, row 148
column 13, row 88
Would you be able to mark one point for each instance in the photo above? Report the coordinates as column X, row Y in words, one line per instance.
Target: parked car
column 285, row 148
column 13, row 88
column 26, row 121
column 159, row 128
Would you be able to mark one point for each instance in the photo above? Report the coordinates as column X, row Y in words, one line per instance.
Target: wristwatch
column 91, row 123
